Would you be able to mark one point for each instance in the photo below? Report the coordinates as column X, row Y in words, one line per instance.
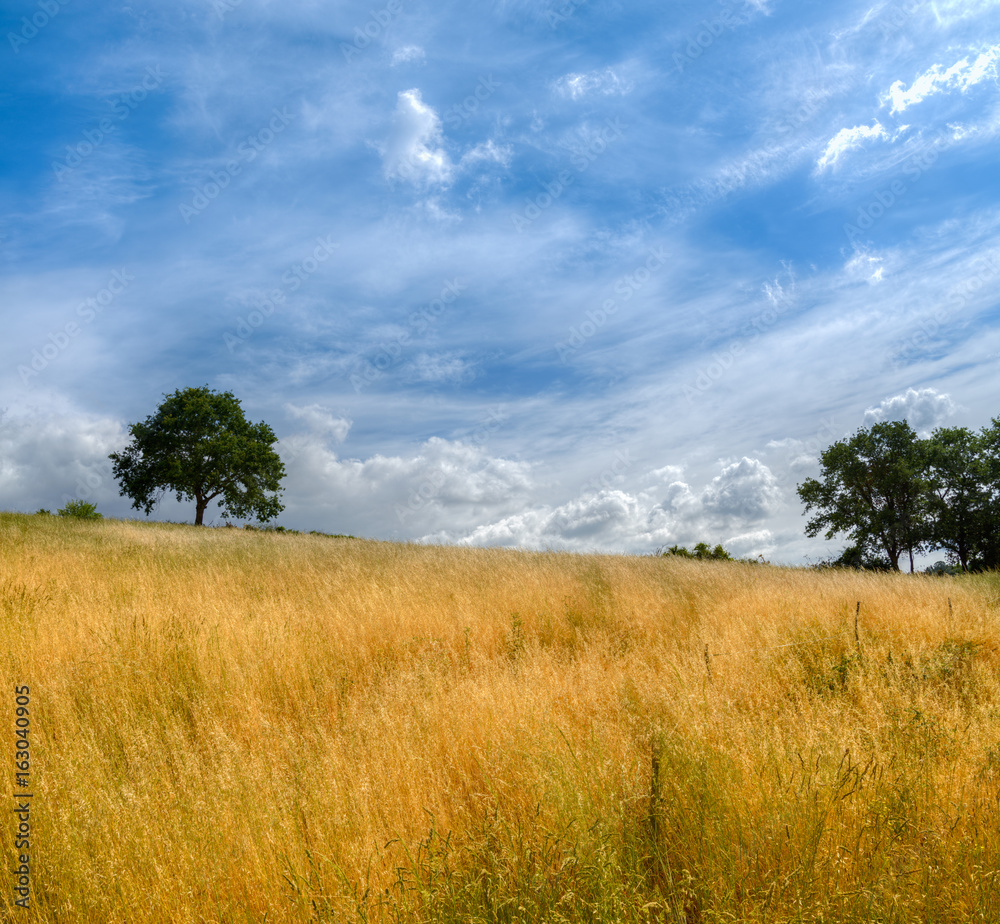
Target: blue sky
column 567, row 274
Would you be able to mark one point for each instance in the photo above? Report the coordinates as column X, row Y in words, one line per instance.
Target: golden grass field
column 243, row 726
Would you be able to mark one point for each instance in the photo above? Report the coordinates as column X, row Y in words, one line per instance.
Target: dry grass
column 233, row 726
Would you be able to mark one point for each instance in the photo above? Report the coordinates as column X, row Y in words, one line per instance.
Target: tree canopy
column 200, row 446
column 892, row 493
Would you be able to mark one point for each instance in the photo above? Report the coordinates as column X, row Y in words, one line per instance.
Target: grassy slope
column 229, row 724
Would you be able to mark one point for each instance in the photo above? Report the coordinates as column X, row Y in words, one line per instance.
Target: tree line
column 894, row 494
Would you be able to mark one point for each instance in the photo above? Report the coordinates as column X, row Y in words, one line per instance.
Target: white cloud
column 489, row 151
column 50, row 459
column 604, row 82
column 668, row 474
column 751, row 544
column 408, row 54
column 865, row 266
column 960, row 76
column 321, row 421
column 742, row 495
column 849, row 139
column 923, row 410
column 439, row 367
column 445, row 481
column 415, row 151
column 746, row 491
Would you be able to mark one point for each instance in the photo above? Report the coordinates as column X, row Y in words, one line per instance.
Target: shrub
column 942, row 567
column 857, row 559
column 80, row 510
column 701, row 551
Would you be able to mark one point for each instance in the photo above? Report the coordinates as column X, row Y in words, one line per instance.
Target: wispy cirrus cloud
column 606, row 82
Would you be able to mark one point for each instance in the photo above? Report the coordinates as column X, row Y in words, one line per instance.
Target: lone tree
column 873, row 489
column 199, row 445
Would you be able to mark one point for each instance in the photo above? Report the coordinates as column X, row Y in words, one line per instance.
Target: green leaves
column 891, row 492
column 79, row 510
column 199, row 446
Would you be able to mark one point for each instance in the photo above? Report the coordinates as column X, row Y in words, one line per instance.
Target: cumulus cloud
column 746, row 490
column 321, row 421
column 443, row 481
column 52, row 459
column 415, row 152
column 743, row 494
column 960, row 76
column 751, row 544
column 849, row 139
column 923, row 410
column 604, row 82
column 579, row 523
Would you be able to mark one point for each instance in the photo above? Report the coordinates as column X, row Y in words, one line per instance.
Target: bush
column 80, row 510
column 701, row 551
column 942, row 567
column 853, row 557
column 42, row 512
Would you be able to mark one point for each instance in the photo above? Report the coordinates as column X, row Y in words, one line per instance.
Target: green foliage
column 855, row 557
column 79, row 510
column 891, row 493
column 42, row 512
column 199, row 445
column 871, row 488
column 701, row 551
column 960, row 505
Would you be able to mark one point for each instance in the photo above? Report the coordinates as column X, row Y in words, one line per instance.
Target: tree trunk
column 200, row 511
column 911, row 561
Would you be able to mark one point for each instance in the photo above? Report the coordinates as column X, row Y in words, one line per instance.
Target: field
column 243, row 726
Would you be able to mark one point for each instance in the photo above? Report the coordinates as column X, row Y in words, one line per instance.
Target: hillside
column 232, row 726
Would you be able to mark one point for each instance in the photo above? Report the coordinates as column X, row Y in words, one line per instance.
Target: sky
column 581, row 275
